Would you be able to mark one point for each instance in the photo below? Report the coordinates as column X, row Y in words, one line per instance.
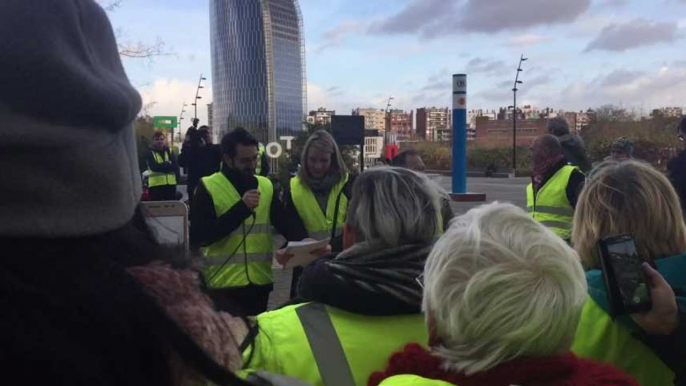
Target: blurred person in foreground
column 572, row 145
column 87, row 295
column 631, row 197
column 500, row 309
column 316, row 200
column 410, row 159
column 555, row 185
column 232, row 218
column 163, row 168
column 200, row 156
column 676, row 167
column 364, row 303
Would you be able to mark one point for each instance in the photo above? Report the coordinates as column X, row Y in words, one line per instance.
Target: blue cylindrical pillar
column 460, row 133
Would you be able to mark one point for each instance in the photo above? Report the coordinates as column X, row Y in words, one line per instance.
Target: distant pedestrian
column 622, row 149
column 163, row 169
column 572, row 145
column 200, row 156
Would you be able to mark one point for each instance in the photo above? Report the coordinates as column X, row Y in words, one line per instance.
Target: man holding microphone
column 233, row 211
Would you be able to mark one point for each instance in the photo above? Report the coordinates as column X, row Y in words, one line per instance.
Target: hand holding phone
column 625, row 279
column 663, row 318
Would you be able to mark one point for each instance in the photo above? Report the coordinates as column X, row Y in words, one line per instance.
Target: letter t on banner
column 459, row 133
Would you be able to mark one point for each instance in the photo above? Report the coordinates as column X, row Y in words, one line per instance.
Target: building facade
column 435, row 124
column 498, row 133
column 210, row 115
column 321, row 116
column 401, row 124
column 258, row 67
column 374, row 119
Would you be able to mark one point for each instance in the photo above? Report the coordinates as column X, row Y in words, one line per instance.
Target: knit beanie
column 68, row 158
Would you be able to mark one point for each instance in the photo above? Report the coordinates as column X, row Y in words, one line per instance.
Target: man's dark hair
column 237, row 136
column 203, row 130
column 400, row 160
column 158, row 134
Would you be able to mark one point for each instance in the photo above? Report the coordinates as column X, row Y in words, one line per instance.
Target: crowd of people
column 404, row 294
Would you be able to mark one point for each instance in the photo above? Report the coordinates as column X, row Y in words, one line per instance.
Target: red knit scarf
column 563, row 370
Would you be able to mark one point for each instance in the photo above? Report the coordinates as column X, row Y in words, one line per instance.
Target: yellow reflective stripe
column 557, row 224
column 326, row 347
column 554, row 210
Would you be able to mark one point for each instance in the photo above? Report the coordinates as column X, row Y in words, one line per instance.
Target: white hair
column 498, row 286
column 395, row 206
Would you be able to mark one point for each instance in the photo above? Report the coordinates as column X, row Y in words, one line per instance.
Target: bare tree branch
column 142, row 50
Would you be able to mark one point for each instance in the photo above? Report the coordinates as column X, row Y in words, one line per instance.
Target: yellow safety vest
column 160, row 179
column 550, row 206
column 322, row 345
column 260, row 153
column 317, row 225
column 412, row 380
column 249, row 262
column 603, row 340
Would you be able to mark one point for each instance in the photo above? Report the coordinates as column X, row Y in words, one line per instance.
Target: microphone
column 251, row 184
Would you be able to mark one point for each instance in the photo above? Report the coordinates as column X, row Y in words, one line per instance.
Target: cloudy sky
column 582, row 53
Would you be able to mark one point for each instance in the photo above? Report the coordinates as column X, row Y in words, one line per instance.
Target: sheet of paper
column 302, row 252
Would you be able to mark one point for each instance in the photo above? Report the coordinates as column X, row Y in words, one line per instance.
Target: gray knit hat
column 68, row 159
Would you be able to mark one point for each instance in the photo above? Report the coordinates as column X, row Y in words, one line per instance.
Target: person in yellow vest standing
column 552, row 194
column 232, row 218
column 317, row 198
column 163, row 170
column 364, row 303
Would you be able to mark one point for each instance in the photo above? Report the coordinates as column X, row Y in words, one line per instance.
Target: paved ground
column 497, row 189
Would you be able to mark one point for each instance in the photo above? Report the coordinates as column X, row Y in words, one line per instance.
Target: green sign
column 164, row 122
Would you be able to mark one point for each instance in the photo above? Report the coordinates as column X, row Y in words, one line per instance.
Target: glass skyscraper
column 258, row 67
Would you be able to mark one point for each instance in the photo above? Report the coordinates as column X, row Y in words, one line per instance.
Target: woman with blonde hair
column 633, row 198
column 317, row 198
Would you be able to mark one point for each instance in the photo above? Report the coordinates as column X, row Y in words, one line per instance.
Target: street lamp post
column 514, row 114
column 183, row 110
column 197, row 96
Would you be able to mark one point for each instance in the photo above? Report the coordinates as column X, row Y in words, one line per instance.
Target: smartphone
column 626, row 282
column 168, row 221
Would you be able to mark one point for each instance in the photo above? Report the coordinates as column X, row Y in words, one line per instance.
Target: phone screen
column 628, row 273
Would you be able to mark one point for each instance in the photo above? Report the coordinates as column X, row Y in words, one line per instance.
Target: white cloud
column 529, row 40
column 636, row 33
column 166, row 96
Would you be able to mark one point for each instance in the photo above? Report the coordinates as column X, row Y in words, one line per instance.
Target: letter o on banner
column 273, row 154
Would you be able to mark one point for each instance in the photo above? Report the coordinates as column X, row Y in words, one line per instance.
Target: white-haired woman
column 316, row 200
column 502, row 297
column 632, row 197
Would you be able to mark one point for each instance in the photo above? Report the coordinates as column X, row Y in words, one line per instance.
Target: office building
column 258, row 67
column 435, row 124
column 374, row 119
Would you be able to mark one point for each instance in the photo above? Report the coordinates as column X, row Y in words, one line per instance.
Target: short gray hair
column 394, row 206
column 498, row 286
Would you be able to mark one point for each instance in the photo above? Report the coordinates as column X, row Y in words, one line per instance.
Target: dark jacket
column 576, row 182
column 165, row 167
column 677, row 175
column 206, row 228
column 201, row 161
column 575, row 151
